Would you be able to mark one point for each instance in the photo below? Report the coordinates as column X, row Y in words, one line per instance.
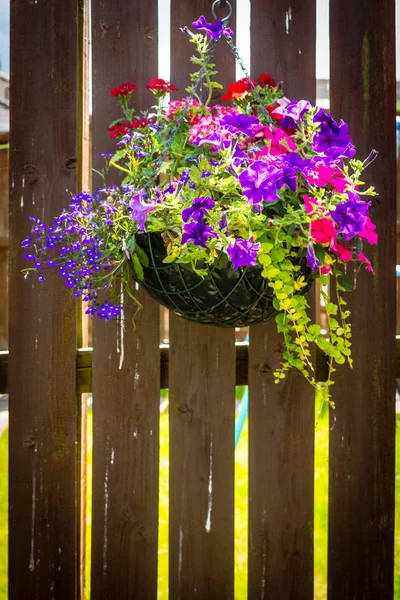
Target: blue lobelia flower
column 243, row 253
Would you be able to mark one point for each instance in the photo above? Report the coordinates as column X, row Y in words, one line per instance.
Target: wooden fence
column 47, row 465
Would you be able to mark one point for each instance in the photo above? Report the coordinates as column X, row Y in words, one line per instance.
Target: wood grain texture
column 281, row 417
column 184, row 13
column 125, row 361
column 362, row 443
column 4, row 246
column 44, row 438
column 283, row 44
column 202, row 414
column 202, row 405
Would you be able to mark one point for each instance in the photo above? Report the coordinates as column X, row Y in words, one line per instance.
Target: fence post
column 362, row 442
column 281, row 417
column 44, row 439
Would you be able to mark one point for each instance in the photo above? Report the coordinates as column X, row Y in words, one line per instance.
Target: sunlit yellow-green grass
column 321, row 500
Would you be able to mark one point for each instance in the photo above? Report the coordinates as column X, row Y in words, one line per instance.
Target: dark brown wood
column 202, row 414
column 126, row 363
column 362, row 442
column 283, row 37
column 202, row 397
column 281, row 417
column 84, row 367
column 4, row 248
column 184, row 13
column 44, row 437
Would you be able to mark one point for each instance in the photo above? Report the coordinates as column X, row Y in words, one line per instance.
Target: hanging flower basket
column 222, row 296
column 225, row 214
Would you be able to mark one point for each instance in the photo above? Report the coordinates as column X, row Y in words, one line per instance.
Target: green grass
column 321, row 509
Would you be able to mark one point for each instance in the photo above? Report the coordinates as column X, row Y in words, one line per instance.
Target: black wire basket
column 224, row 297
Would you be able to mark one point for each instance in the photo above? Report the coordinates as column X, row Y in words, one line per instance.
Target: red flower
column 238, row 89
column 266, row 79
column 323, row 231
column 120, row 129
column 124, row 89
column 271, row 109
column 160, row 85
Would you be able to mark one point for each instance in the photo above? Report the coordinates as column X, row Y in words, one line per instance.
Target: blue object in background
column 242, row 416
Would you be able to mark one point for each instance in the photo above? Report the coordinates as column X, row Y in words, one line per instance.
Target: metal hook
column 222, row 4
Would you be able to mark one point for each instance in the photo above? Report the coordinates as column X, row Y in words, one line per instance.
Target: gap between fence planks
column 125, row 364
column 44, row 435
column 362, row 440
column 281, row 418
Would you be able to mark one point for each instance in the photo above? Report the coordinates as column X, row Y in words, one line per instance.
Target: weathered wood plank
column 125, row 362
column 185, row 13
column 281, row 418
column 202, row 397
column 202, row 414
column 44, row 438
column 362, row 442
column 84, row 367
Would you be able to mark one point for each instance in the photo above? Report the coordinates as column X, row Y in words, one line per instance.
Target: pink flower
column 342, row 252
column 323, row 231
column 322, row 175
column 310, row 204
column 362, row 258
column 326, row 269
column 368, row 232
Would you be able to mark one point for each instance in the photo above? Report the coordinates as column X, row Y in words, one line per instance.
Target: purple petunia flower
column 333, row 138
column 298, row 163
column 243, row 253
column 259, row 182
column 140, row 209
column 292, row 113
column 213, row 30
column 198, row 233
column 198, row 209
column 322, row 117
column 312, row 260
column 239, row 123
column 351, row 215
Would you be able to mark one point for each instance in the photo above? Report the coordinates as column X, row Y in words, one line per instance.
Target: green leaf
column 142, row 256
column 331, row 308
column 137, row 267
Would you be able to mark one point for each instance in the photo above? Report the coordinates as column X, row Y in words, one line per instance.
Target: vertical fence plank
column 43, row 486
column 202, row 414
column 185, row 13
column 202, row 409
column 361, row 500
column 281, row 418
column 126, row 376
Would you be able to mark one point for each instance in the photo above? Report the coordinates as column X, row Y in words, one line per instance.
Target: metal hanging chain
column 235, row 52
column 201, row 74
